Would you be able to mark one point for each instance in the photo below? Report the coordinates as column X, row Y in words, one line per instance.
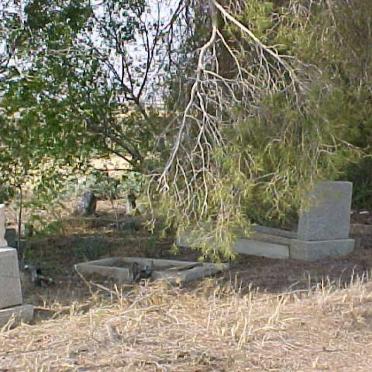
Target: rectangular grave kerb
column 172, row 271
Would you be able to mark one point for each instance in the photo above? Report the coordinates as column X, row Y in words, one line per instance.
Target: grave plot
column 323, row 228
column 132, row 269
column 11, row 300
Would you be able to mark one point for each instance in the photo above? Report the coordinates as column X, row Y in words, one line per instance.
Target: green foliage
column 42, row 125
column 105, row 186
column 361, row 176
column 287, row 140
column 64, row 100
column 61, row 103
column 337, row 40
column 44, row 228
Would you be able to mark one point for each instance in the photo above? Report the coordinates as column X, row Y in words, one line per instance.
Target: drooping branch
column 212, row 94
column 193, row 94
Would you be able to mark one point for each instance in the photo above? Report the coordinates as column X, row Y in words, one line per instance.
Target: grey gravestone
column 323, row 228
column 326, row 214
column 131, row 203
column 261, row 248
column 87, row 205
column 10, row 284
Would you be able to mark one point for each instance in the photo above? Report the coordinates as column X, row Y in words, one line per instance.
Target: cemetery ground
column 262, row 314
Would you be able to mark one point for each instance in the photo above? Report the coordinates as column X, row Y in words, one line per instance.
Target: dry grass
column 214, row 326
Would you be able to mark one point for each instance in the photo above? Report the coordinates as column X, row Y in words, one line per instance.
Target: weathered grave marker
column 326, row 214
column 87, row 205
column 324, row 224
column 10, row 283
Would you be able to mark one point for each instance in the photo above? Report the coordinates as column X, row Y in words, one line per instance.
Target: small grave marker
column 10, row 284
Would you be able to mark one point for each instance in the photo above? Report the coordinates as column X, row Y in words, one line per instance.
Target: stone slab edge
column 275, row 231
column 199, row 272
column 120, row 274
column 260, row 248
column 123, row 275
column 22, row 313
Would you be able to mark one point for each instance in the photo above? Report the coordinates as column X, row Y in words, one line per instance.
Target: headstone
column 131, row 203
column 10, row 283
column 326, row 214
column 324, row 224
column 87, row 205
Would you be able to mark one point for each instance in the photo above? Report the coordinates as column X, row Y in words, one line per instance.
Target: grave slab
column 24, row 313
column 120, row 269
column 316, row 250
column 10, row 284
column 326, row 212
column 261, row 248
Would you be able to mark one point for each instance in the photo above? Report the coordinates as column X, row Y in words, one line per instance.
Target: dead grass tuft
column 214, row 326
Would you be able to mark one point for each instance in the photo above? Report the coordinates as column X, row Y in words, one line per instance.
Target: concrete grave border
column 180, row 271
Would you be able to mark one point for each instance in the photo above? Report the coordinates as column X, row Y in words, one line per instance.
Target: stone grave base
column 121, row 269
column 276, row 243
column 282, row 244
column 315, row 250
column 16, row 314
column 256, row 247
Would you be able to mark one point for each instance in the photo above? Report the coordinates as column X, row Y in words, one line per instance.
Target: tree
column 259, row 123
column 73, row 84
column 251, row 93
